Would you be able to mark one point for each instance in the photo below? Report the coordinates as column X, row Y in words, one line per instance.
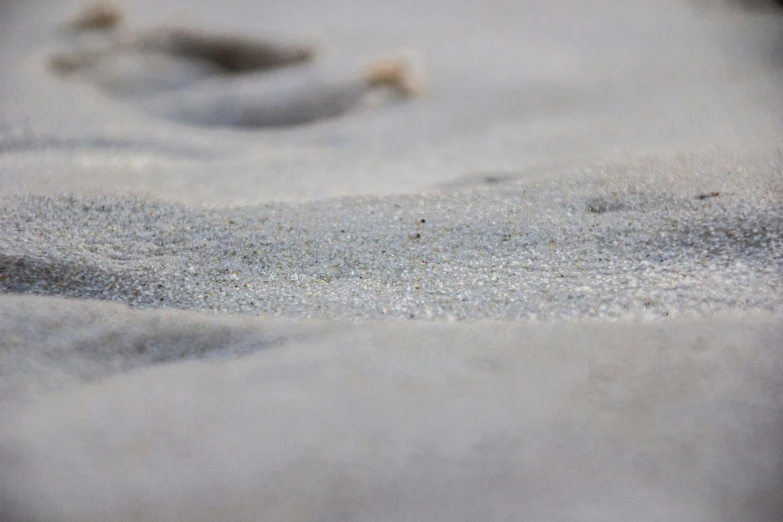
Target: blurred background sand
column 518, row 90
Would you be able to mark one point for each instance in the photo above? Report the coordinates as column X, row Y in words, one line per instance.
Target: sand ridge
column 592, row 246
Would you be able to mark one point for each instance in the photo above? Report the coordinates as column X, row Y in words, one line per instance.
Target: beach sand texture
column 452, row 260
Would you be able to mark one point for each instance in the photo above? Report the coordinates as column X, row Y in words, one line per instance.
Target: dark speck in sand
column 601, row 205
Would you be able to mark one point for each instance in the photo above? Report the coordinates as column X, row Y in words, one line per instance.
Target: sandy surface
column 533, row 91
column 548, row 288
column 487, row 421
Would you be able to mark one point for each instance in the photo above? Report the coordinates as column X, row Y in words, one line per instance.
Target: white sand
column 504, row 421
column 403, row 313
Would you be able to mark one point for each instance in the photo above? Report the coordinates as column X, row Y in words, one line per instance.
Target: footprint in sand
column 195, row 76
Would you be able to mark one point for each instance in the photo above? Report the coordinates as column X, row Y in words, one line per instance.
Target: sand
column 548, row 286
